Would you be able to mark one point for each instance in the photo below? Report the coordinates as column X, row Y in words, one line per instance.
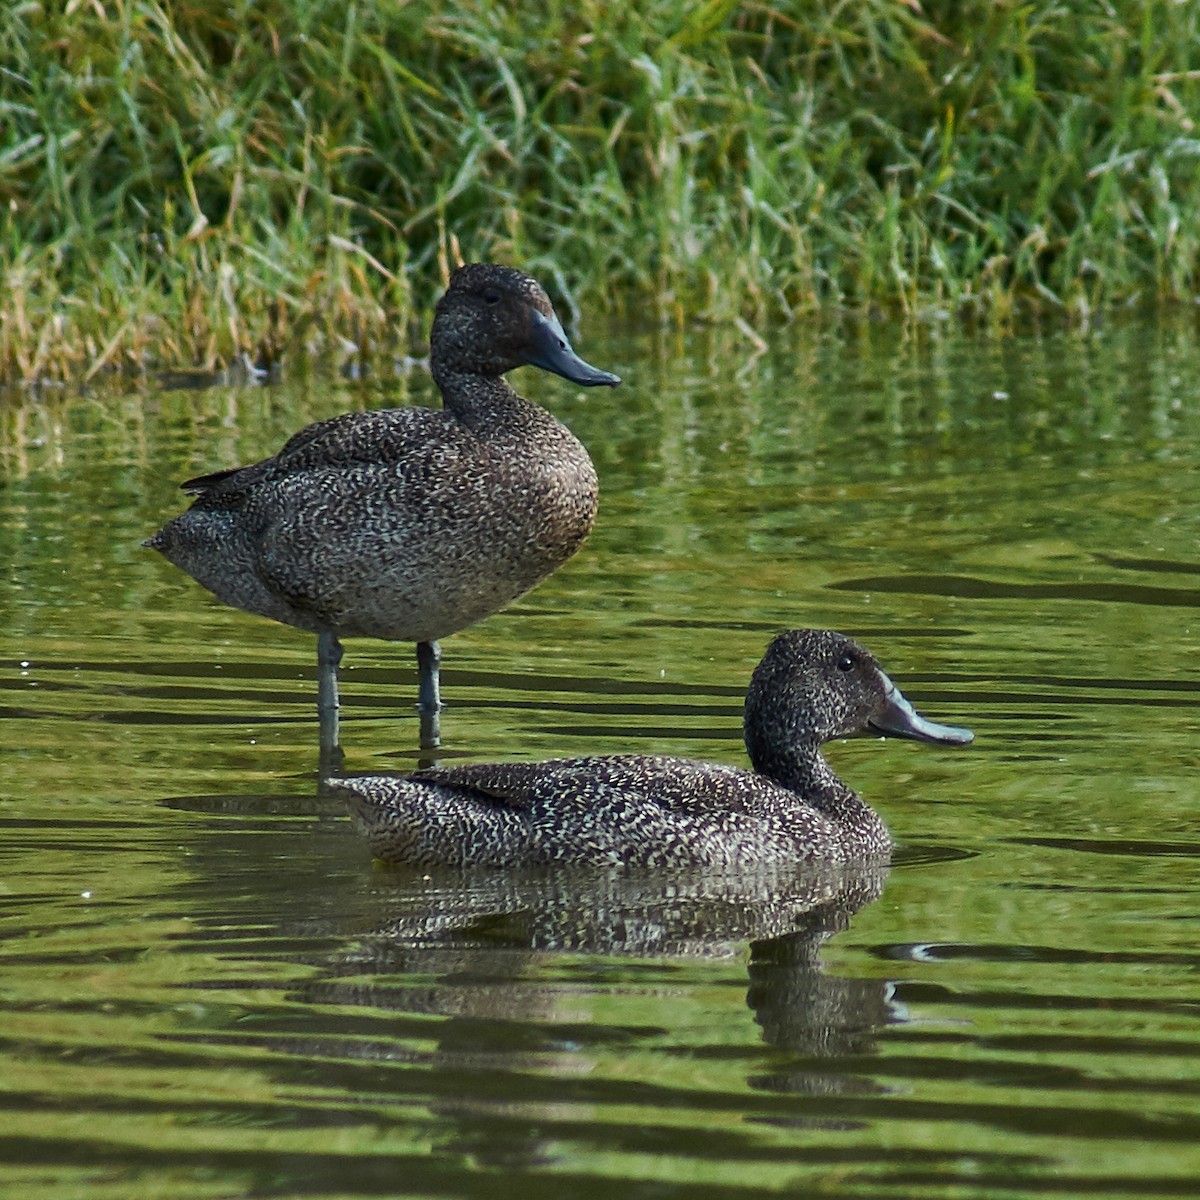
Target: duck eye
column 491, row 296
column 846, row 662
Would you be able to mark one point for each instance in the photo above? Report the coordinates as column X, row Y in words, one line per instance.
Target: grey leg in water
column 329, row 656
column 429, row 698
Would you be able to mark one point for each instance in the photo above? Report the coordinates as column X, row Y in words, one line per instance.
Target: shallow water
column 207, row 990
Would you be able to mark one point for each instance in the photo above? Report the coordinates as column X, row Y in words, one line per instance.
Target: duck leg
column 329, row 656
column 429, row 698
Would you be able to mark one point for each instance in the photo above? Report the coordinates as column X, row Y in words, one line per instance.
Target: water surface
column 207, row 990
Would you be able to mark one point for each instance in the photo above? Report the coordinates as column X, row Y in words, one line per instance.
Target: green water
column 206, row 990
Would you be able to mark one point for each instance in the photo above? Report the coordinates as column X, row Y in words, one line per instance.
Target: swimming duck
column 407, row 524
column 653, row 811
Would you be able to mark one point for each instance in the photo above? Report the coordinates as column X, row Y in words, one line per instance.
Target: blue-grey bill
column 899, row 719
column 551, row 351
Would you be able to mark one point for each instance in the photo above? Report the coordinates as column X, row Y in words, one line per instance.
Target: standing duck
column 654, row 811
column 407, row 524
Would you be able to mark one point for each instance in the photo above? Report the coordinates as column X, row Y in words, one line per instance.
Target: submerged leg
column 429, row 697
column 329, row 655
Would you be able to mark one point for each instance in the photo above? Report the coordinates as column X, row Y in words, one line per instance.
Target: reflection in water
column 700, row 913
column 479, row 941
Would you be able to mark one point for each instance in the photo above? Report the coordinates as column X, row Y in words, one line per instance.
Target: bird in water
column 641, row 810
column 407, row 524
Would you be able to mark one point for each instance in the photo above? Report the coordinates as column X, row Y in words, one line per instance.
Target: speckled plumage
column 409, row 524
column 654, row 811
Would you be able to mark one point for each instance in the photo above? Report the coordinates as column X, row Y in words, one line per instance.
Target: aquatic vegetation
column 191, row 183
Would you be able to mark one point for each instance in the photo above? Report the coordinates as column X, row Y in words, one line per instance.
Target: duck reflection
column 496, row 952
column 482, row 939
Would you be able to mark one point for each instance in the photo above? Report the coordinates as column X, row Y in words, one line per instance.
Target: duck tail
column 430, row 825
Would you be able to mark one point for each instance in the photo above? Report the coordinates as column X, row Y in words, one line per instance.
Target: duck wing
column 679, row 785
column 641, row 810
column 508, row 785
column 377, row 437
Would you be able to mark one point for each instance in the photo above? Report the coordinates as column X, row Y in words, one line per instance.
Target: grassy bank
column 184, row 183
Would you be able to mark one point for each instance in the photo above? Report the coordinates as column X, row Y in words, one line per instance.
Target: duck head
column 495, row 318
column 814, row 685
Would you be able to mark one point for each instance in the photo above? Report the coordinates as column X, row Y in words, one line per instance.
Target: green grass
column 189, row 182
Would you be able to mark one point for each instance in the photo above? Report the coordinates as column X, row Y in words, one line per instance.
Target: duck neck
column 804, row 771
column 477, row 400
